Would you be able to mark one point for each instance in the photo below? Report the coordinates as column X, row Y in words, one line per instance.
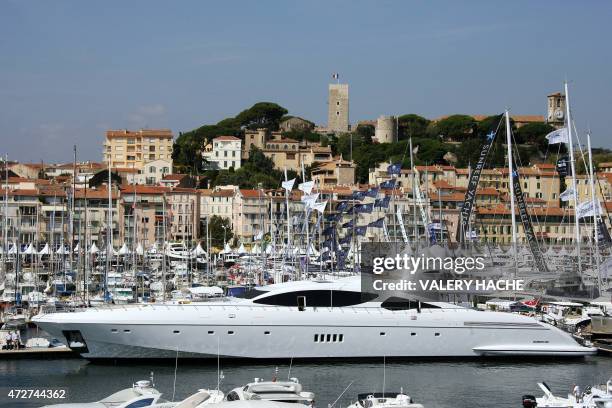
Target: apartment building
column 145, row 215
column 134, row 149
column 223, row 153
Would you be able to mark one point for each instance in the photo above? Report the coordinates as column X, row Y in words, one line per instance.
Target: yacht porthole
column 341, row 338
column 267, row 333
column 383, row 333
column 231, row 332
column 114, row 330
column 413, row 334
column 211, row 332
column 176, row 331
column 127, row 331
column 316, row 338
column 437, row 334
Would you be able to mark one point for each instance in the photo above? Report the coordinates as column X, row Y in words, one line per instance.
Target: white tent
column 61, row 250
column 12, row 250
column 124, row 250
column 226, row 249
column 30, row 250
column 77, row 248
column 270, row 249
column 198, row 250
column 139, row 249
column 94, row 249
column 242, row 250
column 256, row 250
column 45, row 251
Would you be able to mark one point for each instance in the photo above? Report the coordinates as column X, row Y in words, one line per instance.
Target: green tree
column 219, row 227
column 412, row 125
column 454, row 127
column 534, row 134
column 262, row 115
column 365, row 132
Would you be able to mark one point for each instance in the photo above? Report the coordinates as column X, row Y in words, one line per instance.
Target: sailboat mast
column 287, row 250
column 596, row 204
column 72, row 210
column 511, row 186
column 109, row 229
column 573, row 167
column 5, row 243
column 414, row 204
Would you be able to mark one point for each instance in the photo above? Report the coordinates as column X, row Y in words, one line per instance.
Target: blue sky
column 69, row 70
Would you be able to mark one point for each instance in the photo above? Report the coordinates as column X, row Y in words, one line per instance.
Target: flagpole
column 511, row 189
column 573, row 167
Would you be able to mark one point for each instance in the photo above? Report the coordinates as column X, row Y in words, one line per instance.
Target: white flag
column 558, row 136
column 306, row 187
column 258, row 236
column 588, row 209
column 288, row 185
column 309, row 199
column 320, row 207
column 567, row 194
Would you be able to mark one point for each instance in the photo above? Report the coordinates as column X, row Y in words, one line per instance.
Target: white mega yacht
column 305, row 319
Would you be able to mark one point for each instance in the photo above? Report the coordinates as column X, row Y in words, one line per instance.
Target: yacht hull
column 263, row 332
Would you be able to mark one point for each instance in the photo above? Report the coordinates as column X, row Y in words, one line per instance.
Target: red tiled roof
column 141, row 189
column 252, row 193
column 159, row 133
column 174, row 176
column 226, row 138
column 101, row 193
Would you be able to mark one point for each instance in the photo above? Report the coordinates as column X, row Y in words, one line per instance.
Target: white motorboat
column 290, row 391
column 200, row 399
column 305, row 319
column 598, row 396
column 384, row 400
column 141, row 394
column 178, row 251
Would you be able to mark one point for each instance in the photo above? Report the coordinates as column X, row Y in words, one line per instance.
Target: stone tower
column 555, row 115
column 338, row 108
column 386, row 130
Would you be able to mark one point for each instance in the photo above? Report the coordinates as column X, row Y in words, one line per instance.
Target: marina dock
column 38, row 353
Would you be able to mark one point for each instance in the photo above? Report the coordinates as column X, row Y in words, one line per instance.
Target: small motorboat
column 290, row 391
column 596, row 396
column 384, row 400
column 200, row 399
column 141, row 394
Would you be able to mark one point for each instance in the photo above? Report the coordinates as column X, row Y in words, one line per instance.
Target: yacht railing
column 47, row 309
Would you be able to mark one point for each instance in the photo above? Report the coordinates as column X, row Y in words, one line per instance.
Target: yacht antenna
column 290, row 365
column 341, row 394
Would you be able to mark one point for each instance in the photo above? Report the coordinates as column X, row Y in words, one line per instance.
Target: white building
column 223, row 152
column 154, row 171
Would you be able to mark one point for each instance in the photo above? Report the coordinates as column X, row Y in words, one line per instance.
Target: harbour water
column 447, row 384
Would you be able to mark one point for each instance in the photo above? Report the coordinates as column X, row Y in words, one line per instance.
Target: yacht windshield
column 317, row 298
